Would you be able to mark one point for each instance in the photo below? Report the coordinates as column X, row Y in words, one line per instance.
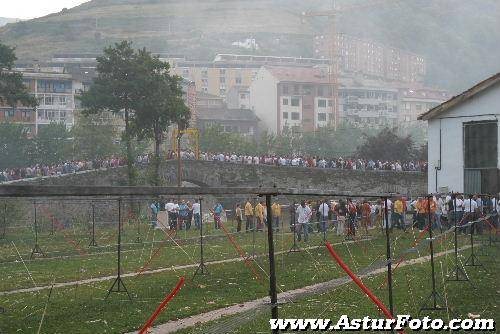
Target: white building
column 464, row 141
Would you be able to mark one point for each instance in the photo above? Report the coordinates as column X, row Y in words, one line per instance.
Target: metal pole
column 36, row 225
column 201, row 237
column 179, row 166
column 429, row 198
column 272, row 270
column 456, row 232
column 389, row 260
column 119, row 238
column 138, row 239
column 5, row 220
column 93, row 242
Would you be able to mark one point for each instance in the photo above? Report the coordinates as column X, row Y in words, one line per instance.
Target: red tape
column 242, row 253
column 66, row 236
column 160, row 308
column 359, row 283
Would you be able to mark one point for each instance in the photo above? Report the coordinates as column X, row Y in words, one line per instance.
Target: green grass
column 82, row 308
column 412, row 285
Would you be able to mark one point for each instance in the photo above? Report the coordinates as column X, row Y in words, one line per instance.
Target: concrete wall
column 215, row 174
column 485, row 106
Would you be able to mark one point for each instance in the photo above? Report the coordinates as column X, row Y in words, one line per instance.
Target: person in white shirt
column 303, row 215
column 324, row 209
column 470, row 209
column 197, row 214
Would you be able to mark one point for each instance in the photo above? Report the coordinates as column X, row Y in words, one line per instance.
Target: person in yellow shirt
column 248, row 216
column 276, row 210
column 259, row 214
column 397, row 214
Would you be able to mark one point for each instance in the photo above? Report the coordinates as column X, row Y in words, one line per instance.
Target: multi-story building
column 295, row 97
column 226, row 71
column 302, row 98
column 55, row 93
column 212, row 110
column 371, row 59
column 418, row 100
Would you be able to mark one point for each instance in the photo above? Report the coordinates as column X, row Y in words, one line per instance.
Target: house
column 464, row 141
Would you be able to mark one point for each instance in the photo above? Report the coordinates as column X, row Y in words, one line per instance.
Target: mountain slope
column 460, row 39
column 5, row 20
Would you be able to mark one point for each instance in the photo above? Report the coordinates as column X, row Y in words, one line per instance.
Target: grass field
column 82, row 307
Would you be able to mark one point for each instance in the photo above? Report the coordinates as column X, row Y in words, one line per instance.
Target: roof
column 459, row 99
column 299, row 74
column 226, row 114
column 204, row 95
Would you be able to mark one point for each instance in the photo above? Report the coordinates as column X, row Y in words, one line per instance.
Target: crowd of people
column 344, row 216
column 303, row 161
column 12, row 174
column 74, row 166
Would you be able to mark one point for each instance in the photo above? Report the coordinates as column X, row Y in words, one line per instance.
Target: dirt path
column 147, row 272
column 284, row 297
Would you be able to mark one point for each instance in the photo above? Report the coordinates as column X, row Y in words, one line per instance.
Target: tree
column 160, row 105
column 51, row 145
column 14, row 146
column 12, row 88
column 94, row 138
column 386, row 145
column 117, row 89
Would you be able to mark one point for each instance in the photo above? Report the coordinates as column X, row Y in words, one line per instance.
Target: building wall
column 264, row 100
column 485, row 106
column 215, row 79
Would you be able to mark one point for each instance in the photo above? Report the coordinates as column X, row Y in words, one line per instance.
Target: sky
column 29, row 9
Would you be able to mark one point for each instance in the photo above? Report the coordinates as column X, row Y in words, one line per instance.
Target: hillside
column 5, row 20
column 460, row 39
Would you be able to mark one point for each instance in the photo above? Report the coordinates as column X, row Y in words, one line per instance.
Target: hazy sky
column 28, row 9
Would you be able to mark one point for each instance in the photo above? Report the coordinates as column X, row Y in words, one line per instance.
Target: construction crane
column 333, row 68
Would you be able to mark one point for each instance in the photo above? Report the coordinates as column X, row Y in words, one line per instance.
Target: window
column 296, row 89
column 222, row 71
column 222, row 80
column 222, row 91
column 330, row 103
column 243, row 96
column 295, row 116
column 307, row 89
column 295, row 102
column 11, row 113
column 418, row 107
column 185, row 72
column 204, row 82
column 26, row 114
column 407, row 106
column 238, row 80
column 322, row 103
column 320, row 90
column 285, row 89
column 285, row 115
column 321, row 117
column 49, row 100
column 285, row 101
column 204, row 73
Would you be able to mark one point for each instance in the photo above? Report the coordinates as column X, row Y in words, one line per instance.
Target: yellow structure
column 194, row 136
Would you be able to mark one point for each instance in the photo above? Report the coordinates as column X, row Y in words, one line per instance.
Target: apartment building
column 418, row 100
column 294, row 97
column 360, row 56
column 55, row 93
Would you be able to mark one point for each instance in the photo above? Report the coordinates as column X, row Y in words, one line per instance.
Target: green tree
column 12, row 89
column 52, row 144
column 387, row 145
column 94, row 138
column 160, row 105
column 117, row 89
column 15, row 146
